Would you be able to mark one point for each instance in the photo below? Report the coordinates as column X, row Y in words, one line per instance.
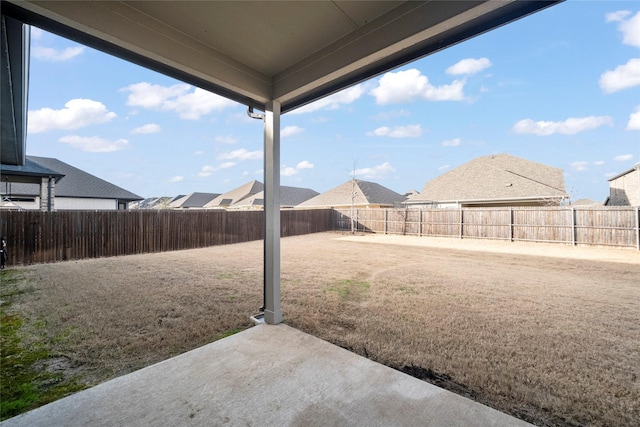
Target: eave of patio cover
column 253, row 52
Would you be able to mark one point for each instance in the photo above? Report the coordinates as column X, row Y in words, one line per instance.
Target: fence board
column 602, row 226
column 39, row 237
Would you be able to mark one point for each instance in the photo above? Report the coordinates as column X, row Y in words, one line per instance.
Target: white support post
column 272, row 309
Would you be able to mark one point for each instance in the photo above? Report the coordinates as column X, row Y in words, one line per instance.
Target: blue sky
column 560, row 87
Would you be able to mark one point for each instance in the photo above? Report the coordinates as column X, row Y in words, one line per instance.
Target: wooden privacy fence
column 38, row 237
column 605, row 226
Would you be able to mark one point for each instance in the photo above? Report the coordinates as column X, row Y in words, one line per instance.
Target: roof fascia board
column 636, row 167
column 380, row 50
column 399, row 29
column 107, row 29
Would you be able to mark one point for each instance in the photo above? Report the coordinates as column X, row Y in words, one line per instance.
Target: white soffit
column 252, row 52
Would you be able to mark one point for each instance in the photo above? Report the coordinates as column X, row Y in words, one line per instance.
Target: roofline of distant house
column 29, row 194
column 636, row 167
column 500, row 200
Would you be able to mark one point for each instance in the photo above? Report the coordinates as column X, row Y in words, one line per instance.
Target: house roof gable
column 289, row 197
column 356, row 192
column 236, row 195
column 193, row 200
column 495, row 177
column 74, row 183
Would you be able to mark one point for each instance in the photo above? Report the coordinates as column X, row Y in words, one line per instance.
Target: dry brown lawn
column 552, row 339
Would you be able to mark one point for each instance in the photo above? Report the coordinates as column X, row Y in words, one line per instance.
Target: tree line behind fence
column 38, row 237
column 569, row 225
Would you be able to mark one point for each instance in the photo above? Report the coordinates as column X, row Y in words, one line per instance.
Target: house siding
column 625, row 189
column 71, row 203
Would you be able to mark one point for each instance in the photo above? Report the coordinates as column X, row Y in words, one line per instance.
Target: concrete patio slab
column 267, row 375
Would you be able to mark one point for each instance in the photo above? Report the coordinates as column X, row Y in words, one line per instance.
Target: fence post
column 385, row 221
column 511, row 224
column 419, row 222
column 638, row 228
column 573, row 226
column 461, row 222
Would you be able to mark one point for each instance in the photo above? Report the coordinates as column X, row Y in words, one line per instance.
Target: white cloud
column 579, row 166
column 177, row 178
column 332, row 102
column 53, row 55
column 622, row 77
column 76, row 113
column 411, row 131
column 599, row 162
column 148, row 128
column 630, row 28
column 241, row 154
column 623, row 157
column 290, row 171
column 226, row 139
column 407, row 86
column 570, row 126
column 290, row 130
column 305, row 164
column 177, row 98
column 206, row 171
column 634, row 120
column 94, row 144
column 469, row 66
column 151, row 96
column 375, row 172
column 198, row 153
column 391, row 115
column 193, row 105
column 451, row 142
column 617, row 16
column 443, row 167
column 226, row 165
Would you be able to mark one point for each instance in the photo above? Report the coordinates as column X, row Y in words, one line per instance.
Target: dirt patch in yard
column 547, row 333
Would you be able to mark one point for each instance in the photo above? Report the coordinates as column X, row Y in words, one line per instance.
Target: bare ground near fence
column 593, row 253
column 552, row 340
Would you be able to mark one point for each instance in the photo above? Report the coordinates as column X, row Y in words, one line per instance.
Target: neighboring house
column 497, row 180
column 289, row 198
column 236, row 195
column 586, row 202
column 624, row 189
column 162, row 202
column 356, row 193
column 75, row 190
column 193, row 201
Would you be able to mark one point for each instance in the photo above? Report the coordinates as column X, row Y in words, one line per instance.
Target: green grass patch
column 24, row 383
column 349, row 288
column 229, row 333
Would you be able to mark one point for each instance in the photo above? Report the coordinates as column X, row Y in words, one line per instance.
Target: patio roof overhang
column 253, row 52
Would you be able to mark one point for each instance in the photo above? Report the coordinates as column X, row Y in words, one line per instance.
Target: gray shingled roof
column 74, row 183
column 366, row 193
column 496, row 177
column 236, row 195
column 194, row 200
column 289, row 197
column 30, row 169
